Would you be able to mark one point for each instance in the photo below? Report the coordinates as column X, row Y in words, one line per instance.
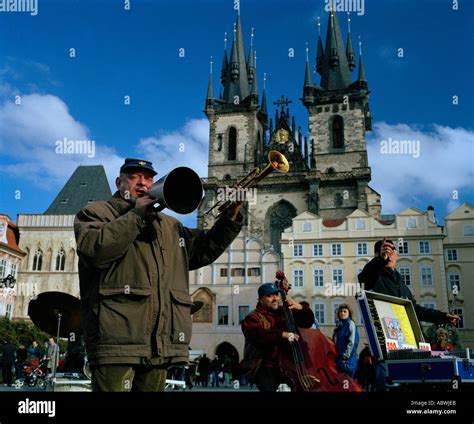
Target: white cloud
column 185, row 147
column 445, row 164
column 28, row 136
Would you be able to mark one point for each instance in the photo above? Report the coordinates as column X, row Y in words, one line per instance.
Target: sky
column 131, row 77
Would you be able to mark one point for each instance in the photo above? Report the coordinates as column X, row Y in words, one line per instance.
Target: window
column 424, row 247
column 336, row 277
column 403, row 248
column 360, row 224
column 338, row 200
column 317, row 250
column 452, row 255
column 336, row 249
column 362, row 249
column 237, row 272
column 337, row 132
column 297, row 250
column 469, row 230
column 455, row 281
column 429, row 305
column 307, row 227
column 222, row 315
column 223, row 272
column 298, row 277
column 411, row 223
column 426, row 276
column 8, row 311
column 3, row 268
column 60, row 260
column 318, row 277
column 243, row 312
column 232, row 152
column 406, row 275
column 38, row 260
column 13, row 270
column 460, row 313
column 334, row 310
column 253, row 272
column 320, row 313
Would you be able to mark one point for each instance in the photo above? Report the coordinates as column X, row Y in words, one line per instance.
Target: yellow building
column 459, row 265
column 323, row 257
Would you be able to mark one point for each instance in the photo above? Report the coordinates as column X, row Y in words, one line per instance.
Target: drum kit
column 59, row 313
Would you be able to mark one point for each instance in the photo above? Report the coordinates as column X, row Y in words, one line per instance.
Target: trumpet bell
column 278, row 161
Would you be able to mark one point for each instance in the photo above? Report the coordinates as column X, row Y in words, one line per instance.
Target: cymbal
column 45, row 308
column 196, row 306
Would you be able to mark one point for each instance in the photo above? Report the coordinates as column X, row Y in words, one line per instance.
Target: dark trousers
column 128, row 378
column 268, row 379
column 7, row 373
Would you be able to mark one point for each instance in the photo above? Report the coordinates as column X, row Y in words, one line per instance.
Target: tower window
column 337, row 132
column 219, row 142
column 232, row 153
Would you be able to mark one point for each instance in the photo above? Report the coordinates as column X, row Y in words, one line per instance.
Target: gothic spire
column 307, row 74
column 361, row 64
column 236, row 86
column 336, row 74
column 225, row 65
column 349, row 49
column 210, row 97
column 263, row 107
column 320, row 56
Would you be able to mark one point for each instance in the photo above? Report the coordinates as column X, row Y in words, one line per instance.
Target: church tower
column 339, row 117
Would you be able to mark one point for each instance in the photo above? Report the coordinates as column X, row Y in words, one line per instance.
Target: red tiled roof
column 333, row 222
column 13, row 235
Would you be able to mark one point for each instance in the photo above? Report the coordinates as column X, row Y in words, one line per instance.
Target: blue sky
column 135, row 52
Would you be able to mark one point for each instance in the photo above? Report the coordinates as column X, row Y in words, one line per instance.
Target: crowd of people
column 16, row 361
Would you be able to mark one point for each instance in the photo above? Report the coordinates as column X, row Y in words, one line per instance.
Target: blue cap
column 268, row 288
column 137, row 164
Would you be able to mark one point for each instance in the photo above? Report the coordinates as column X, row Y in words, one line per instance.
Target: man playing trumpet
column 133, row 269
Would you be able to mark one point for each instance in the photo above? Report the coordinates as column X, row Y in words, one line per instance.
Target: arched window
column 60, row 260
column 219, row 142
column 232, row 152
column 337, row 132
column 38, row 260
column 338, row 200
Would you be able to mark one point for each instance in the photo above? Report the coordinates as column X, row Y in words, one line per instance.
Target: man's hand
column 234, row 209
column 142, row 205
column 291, row 337
column 293, row 304
column 386, row 250
column 453, row 318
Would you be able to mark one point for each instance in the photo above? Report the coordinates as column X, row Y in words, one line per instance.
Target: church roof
column 87, row 184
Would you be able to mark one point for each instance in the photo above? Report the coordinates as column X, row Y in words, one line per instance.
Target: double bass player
column 265, row 332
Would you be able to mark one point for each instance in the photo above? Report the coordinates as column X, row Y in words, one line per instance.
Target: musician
column 133, row 269
column 264, row 331
column 381, row 276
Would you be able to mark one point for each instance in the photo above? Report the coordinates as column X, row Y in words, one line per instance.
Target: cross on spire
column 283, row 102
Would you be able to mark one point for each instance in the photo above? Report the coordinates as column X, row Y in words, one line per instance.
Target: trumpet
column 277, row 162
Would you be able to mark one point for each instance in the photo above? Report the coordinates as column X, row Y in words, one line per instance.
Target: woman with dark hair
column 346, row 338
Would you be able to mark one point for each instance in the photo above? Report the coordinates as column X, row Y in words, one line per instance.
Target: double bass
column 310, row 363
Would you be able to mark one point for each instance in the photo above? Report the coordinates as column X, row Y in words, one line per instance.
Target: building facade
column 459, row 265
column 50, row 263
column 10, row 259
column 228, row 290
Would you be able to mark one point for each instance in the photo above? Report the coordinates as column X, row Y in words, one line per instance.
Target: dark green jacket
column 134, row 281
